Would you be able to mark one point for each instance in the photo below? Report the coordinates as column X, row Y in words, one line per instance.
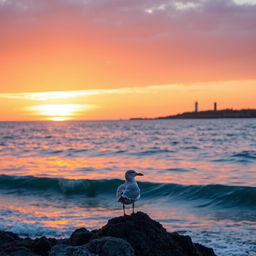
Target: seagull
column 129, row 192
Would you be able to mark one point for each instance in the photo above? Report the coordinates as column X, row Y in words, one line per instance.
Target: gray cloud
column 160, row 16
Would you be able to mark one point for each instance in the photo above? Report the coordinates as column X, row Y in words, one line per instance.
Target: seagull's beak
column 139, row 174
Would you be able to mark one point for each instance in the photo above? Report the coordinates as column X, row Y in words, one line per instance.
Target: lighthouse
column 215, row 106
column 196, row 106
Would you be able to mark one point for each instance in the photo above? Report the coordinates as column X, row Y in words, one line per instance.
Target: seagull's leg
column 133, row 208
column 124, row 209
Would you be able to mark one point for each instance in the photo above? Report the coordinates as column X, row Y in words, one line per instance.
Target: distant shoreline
column 208, row 114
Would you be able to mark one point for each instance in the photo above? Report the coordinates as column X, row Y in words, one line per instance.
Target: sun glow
column 59, row 112
column 58, row 118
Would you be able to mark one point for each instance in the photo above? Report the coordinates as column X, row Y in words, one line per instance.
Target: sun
column 58, row 118
column 58, row 112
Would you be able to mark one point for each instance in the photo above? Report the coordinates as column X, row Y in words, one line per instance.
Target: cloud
column 63, row 95
column 131, row 42
column 120, row 13
column 245, row 2
column 46, row 96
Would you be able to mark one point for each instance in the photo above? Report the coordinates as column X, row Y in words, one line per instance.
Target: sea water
column 199, row 177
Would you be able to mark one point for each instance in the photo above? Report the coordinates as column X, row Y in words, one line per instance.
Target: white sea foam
column 34, row 230
column 227, row 242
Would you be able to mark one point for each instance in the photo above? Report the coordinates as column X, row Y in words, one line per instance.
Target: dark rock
column 17, row 245
column 80, row 236
column 106, row 246
column 185, row 242
column 11, row 244
column 135, row 235
column 63, row 241
column 204, row 250
column 6, row 237
column 111, row 246
column 149, row 238
column 67, row 250
column 41, row 246
column 22, row 251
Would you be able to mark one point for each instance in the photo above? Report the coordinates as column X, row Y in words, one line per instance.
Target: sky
column 116, row 59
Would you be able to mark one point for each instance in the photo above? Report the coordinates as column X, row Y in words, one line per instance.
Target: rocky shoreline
column 135, row 235
column 209, row 114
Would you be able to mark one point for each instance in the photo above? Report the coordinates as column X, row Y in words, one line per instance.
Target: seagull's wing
column 131, row 192
column 120, row 191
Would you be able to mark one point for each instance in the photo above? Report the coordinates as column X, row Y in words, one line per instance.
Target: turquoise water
column 199, row 177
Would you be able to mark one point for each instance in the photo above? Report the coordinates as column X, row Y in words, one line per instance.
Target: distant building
column 196, row 106
column 215, row 106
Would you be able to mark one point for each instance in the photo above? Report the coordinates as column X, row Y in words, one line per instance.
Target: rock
column 18, row 252
column 110, row 246
column 6, row 237
column 80, row 236
column 134, row 235
column 12, row 245
column 67, row 250
column 42, row 245
column 149, row 238
column 106, row 246
column 204, row 250
column 185, row 242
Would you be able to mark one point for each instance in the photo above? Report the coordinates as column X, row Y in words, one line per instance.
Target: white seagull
column 129, row 192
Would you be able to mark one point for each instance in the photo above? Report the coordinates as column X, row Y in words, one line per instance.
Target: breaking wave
column 222, row 196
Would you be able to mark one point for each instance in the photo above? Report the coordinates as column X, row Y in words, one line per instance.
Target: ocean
column 199, row 177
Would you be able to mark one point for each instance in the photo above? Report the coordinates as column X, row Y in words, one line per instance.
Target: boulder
column 22, row 251
column 67, row 250
column 106, row 246
column 149, row 238
column 41, row 246
column 12, row 245
column 111, row 246
column 6, row 237
column 204, row 250
column 80, row 236
column 134, row 235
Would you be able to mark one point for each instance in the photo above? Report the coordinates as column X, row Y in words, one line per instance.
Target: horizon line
column 125, row 119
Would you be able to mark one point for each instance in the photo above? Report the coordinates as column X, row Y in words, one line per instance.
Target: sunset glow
column 179, row 53
column 58, row 112
column 58, row 118
column 92, row 88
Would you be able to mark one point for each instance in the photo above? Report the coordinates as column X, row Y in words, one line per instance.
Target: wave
column 222, row 196
column 177, row 170
column 152, row 152
column 247, row 154
column 57, row 185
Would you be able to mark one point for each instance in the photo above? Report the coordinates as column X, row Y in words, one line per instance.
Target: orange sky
column 120, row 59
